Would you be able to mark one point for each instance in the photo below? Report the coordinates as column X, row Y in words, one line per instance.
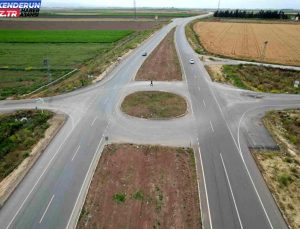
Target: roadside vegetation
column 256, row 78
column 143, row 186
column 19, row 132
column 193, row 37
column 281, row 169
column 154, row 105
column 163, row 63
column 22, row 67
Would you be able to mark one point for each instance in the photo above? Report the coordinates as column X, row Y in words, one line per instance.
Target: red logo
column 10, row 12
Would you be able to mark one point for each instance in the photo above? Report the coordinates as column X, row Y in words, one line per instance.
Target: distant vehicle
column 192, row 61
column 144, row 54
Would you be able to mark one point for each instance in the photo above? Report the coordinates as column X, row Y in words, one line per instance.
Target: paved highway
column 233, row 193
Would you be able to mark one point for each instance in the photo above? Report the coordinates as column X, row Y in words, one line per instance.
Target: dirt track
column 162, row 64
column 165, row 179
column 88, row 25
column 246, row 41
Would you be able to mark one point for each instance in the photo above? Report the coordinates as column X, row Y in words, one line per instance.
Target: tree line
column 263, row 14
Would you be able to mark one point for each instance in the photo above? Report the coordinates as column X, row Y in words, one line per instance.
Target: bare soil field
column 139, row 186
column 78, row 25
column 246, row 41
column 154, row 105
column 162, row 64
column 281, row 169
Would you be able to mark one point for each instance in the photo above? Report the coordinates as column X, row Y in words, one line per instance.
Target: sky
column 241, row 4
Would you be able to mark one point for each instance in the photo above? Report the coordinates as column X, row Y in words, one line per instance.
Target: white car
column 192, row 61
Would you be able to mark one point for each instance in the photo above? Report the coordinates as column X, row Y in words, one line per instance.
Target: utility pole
column 134, row 6
column 263, row 54
column 46, row 64
column 219, row 5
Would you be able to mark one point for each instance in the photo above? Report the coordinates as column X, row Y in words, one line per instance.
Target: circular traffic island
column 154, row 105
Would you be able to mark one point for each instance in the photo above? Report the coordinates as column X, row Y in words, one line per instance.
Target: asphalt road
column 233, row 193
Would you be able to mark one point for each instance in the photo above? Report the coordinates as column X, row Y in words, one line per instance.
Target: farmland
column 61, row 36
column 141, row 186
column 23, row 52
column 247, row 41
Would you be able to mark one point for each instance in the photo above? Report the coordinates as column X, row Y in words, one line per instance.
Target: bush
column 119, row 197
column 284, row 179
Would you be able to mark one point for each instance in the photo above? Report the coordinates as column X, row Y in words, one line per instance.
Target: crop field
column 61, row 36
column 247, row 41
column 22, row 55
column 77, row 24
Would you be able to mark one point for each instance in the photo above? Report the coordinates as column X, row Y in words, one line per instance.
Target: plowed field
column 246, row 41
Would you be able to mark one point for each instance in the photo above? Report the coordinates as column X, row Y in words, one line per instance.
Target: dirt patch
column 247, row 41
column 281, row 169
column 9, row 183
column 138, row 186
column 216, row 73
column 79, row 25
column 154, row 105
column 163, row 63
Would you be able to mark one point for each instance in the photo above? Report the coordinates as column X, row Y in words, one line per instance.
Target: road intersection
column 218, row 126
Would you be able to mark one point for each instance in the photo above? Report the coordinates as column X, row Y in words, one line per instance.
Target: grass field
column 18, row 136
column 141, row 186
column 89, row 57
column 257, row 78
column 62, row 36
column 246, row 41
column 154, row 105
column 281, row 169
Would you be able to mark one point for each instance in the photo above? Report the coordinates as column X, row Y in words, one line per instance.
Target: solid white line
column 205, row 188
column 75, row 153
column 211, row 125
column 204, row 103
column 228, row 181
column 46, row 209
column 38, row 180
column 94, row 121
column 82, row 186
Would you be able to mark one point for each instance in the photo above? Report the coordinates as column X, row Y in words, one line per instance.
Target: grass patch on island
column 19, row 132
column 154, row 105
column 281, row 169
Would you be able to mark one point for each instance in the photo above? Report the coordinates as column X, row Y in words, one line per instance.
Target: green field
column 22, row 55
column 62, row 36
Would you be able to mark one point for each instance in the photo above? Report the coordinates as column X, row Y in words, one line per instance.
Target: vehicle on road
column 144, row 54
column 192, row 61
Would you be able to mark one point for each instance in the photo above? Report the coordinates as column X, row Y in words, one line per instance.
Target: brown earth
column 246, row 41
column 162, row 64
column 158, row 185
column 69, row 25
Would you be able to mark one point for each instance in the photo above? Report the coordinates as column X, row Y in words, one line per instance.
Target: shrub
column 119, row 197
column 284, row 179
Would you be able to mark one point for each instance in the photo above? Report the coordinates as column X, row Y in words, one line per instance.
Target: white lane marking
column 204, row 103
column 46, row 210
column 75, row 153
column 205, row 188
column 82, row 186
column 211, row 125
column 198, row 87
column 240, row 152
column 94, row 121
column 38, row 180
column 228, row 181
